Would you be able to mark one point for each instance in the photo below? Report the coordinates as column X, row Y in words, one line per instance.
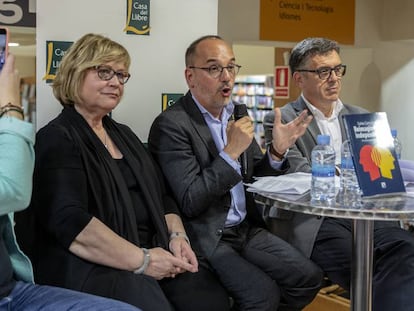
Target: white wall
column 396, row 61
column 238, row 20
column 157, row 60
column 361, row 84
column 26, row 66
column 255, row 59
column 394, row 56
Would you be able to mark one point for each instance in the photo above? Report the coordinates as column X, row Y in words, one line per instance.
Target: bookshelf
column 256, row 92
column 28, row 98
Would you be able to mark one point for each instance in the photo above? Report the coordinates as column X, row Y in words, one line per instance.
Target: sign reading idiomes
column 55, row 50
column 295, row 20
column 138, row 17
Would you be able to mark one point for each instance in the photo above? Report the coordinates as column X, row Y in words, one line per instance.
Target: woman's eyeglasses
column 107, row 73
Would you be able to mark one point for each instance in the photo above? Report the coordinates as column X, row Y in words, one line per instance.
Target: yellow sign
column 295, row 20
column 169, row 99
column 55, row 50
column 138, row 17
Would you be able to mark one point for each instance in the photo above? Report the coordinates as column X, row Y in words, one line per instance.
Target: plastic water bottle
column 349, row 195
column 397, row 143
column 323, row 173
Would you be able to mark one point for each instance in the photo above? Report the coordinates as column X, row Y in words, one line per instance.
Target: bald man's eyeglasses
column 215, row 71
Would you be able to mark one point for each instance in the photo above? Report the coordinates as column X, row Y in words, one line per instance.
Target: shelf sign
column 138, row 17
column 281, row 82
column 296, row 20
column 168, row 99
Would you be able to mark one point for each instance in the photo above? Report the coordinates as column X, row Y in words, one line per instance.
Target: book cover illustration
column 374, row 157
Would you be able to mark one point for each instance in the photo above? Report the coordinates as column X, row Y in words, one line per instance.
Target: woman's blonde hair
column 89, row 51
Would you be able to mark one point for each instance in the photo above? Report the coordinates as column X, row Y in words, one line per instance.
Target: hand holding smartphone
column 10, row 89
column 4, row 41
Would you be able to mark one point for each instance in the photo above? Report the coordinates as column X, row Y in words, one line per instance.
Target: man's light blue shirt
column 218, row 129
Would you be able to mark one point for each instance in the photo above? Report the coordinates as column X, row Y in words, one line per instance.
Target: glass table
column 398, row 207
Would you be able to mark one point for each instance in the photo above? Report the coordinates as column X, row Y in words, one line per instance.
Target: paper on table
column 295, row 183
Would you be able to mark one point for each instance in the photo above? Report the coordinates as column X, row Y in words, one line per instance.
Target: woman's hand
column 9, row 83
column 181, row 249
column 10, row 90
column 164, row 264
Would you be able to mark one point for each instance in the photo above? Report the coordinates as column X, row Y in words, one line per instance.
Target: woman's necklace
column 102, row 139
column 105, row 144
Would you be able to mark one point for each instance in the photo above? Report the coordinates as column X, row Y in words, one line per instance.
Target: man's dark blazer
column 297, row 228
column 200, row 179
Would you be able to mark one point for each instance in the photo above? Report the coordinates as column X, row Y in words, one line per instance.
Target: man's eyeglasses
column 107, row 73
column 324, row 73
column 215, row 71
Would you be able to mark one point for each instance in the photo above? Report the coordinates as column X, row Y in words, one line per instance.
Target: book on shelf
column 376, row 164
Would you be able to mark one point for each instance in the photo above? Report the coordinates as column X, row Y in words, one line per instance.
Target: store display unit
column 256, row 92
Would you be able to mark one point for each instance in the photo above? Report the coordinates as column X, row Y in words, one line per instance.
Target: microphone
column 240, row 111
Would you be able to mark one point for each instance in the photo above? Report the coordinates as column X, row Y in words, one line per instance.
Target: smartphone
column 4, row 41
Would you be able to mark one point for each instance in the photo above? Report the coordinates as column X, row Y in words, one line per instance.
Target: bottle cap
column 394, row 133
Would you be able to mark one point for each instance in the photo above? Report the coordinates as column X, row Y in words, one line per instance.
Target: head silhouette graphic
column 376, row 161
column 384, row 160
